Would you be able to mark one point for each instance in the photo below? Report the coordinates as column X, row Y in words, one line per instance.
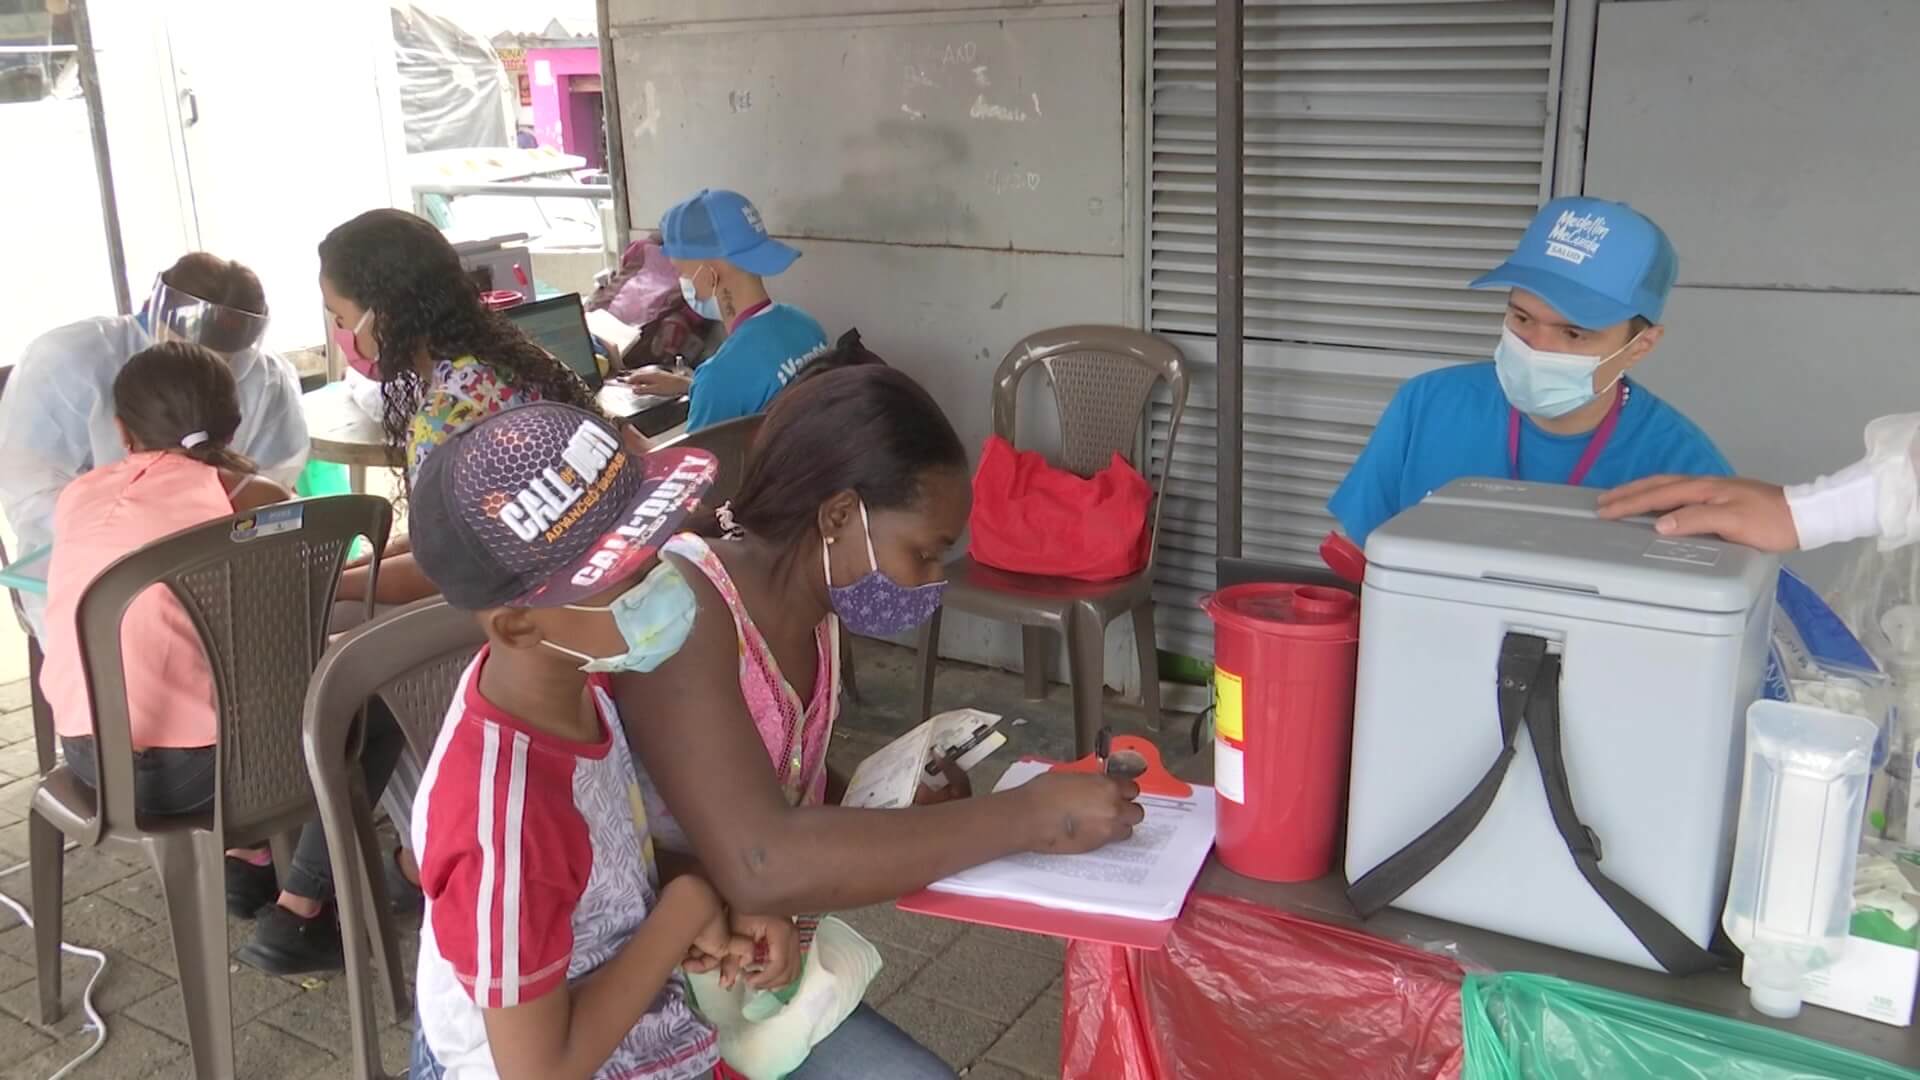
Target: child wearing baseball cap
column 1586, row 289
column 549, row 944
column 721, row 249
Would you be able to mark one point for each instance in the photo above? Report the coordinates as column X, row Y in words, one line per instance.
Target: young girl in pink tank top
column 177, row 407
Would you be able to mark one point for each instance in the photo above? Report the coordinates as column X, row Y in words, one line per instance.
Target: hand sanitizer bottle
column 1801, row 807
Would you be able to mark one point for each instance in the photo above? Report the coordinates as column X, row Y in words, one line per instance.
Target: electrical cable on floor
column 94, row 1019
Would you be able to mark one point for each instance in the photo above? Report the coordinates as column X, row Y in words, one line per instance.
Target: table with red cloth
column 1286, row 981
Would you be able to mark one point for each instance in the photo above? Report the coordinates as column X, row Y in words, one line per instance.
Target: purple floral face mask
column 876, row 605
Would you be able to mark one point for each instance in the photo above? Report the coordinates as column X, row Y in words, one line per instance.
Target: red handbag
column 1032, row 518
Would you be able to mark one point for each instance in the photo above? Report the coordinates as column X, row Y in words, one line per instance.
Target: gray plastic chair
column 1103, row 379
column 41, row 711
column 729, row 443
column 260, row 601
column 413, row 659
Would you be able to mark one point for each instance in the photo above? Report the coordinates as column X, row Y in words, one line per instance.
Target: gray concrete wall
column 1778, row 145
column 956, row 178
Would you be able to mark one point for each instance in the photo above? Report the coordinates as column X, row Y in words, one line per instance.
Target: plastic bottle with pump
column 1801, row 806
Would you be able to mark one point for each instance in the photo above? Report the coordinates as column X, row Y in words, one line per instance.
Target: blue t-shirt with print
column 759, row 357
column 1452, row 423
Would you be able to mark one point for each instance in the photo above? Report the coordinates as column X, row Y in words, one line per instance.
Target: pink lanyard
column 1601, row 436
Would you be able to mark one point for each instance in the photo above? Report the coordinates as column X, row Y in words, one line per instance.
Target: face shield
column 173, row 315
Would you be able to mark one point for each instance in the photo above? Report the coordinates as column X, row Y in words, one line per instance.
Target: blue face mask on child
column 654, row 618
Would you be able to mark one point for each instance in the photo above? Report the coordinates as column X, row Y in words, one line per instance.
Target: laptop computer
column 559, row 325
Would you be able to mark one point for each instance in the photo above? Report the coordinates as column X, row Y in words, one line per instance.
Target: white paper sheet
column 889, row 777
column 1145, row 877
column 619, row 399
column 616, row 334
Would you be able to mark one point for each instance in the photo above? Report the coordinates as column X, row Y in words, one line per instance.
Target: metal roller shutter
column 1393, row 151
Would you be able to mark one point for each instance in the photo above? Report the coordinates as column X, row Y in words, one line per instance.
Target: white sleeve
column 1878, row 495
column 45, row 438
column 279, row 442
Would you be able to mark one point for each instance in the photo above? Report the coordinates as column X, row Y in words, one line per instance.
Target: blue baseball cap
column 723, row 225
column 1596, row 262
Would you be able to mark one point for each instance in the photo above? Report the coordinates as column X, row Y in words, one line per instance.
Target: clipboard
column 1130, row 756
column 1034, row 919
column 1128, row 933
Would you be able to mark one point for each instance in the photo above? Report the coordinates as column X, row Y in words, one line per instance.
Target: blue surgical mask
column 875, row 605
column 654, row 618
column 1548, row 384
column 706, row 309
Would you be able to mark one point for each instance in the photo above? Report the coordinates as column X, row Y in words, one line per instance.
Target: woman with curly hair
column 405, row 313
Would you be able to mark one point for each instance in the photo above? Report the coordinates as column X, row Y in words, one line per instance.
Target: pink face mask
column 348, row 341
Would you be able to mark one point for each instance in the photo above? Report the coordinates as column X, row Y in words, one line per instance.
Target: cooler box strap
column 1529, row 694
column 1521, row 659
column 1670, row 948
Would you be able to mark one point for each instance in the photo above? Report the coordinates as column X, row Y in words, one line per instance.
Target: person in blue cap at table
column 719, row 245
column 1586, row 289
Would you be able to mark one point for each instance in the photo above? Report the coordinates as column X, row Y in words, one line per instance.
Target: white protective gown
column 56, row 421
column 1877, row 496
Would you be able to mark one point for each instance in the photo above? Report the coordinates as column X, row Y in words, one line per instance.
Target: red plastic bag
column 1032, row 518
column 1248, row 992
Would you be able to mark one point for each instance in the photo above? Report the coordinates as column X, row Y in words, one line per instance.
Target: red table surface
column 1263, row 980
column 1244, row 990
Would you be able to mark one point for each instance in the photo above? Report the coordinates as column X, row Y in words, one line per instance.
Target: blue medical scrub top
column 1452, row 423
column 760, row 356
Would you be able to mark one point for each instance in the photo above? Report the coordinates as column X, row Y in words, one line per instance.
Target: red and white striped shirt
column 537, row 868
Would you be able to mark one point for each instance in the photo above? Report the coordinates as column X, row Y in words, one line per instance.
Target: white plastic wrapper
column 453, row 88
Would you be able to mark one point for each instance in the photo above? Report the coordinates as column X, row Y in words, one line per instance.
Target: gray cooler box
column 1501, row 614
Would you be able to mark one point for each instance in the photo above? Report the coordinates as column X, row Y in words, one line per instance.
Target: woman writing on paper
column 853, row 493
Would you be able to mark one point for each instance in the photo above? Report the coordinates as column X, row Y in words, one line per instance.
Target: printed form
column 1145, row 877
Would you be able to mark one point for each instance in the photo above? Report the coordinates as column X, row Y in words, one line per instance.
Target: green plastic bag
column 322, row 478
column 1536, row 1027
column 327, row 478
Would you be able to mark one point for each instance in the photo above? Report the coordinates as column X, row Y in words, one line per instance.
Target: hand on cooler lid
column 1750, row 512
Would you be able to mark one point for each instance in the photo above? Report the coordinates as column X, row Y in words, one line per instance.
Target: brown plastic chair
column 260, row 598
column 413, row 659
column 728, row 442
column 1103, row 380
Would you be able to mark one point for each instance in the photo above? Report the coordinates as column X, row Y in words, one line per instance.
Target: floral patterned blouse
column 461, row 391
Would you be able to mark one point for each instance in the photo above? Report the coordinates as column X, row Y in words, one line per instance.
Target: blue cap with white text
column 723, row 225
column 1596, row 262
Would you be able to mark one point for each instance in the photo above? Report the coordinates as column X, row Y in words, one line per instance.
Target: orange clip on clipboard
column 1052, row 922
column 1154, row 779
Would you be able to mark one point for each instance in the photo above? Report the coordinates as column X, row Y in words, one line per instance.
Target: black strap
column 1671, row 949
column 1521, row 658
column 1529, row 693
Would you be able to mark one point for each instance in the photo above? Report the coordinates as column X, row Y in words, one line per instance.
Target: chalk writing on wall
column 1012, row 181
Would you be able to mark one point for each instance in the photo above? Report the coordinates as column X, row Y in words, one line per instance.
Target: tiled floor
column 987, row 1001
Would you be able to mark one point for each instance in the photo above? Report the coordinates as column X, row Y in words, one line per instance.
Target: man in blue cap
column 1586, row 288
column 720, row 246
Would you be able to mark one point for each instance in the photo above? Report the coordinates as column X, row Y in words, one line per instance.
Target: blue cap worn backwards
column 723, row 225
column 1596, row 262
